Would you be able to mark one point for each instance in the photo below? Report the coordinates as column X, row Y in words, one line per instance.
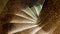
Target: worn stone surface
column 50, row 15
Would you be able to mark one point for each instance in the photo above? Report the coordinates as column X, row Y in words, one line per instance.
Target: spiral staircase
column 28, row 17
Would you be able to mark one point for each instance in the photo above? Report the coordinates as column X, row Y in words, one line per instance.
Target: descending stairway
column 25, row 18
column 28, row 17
column 17, row 17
